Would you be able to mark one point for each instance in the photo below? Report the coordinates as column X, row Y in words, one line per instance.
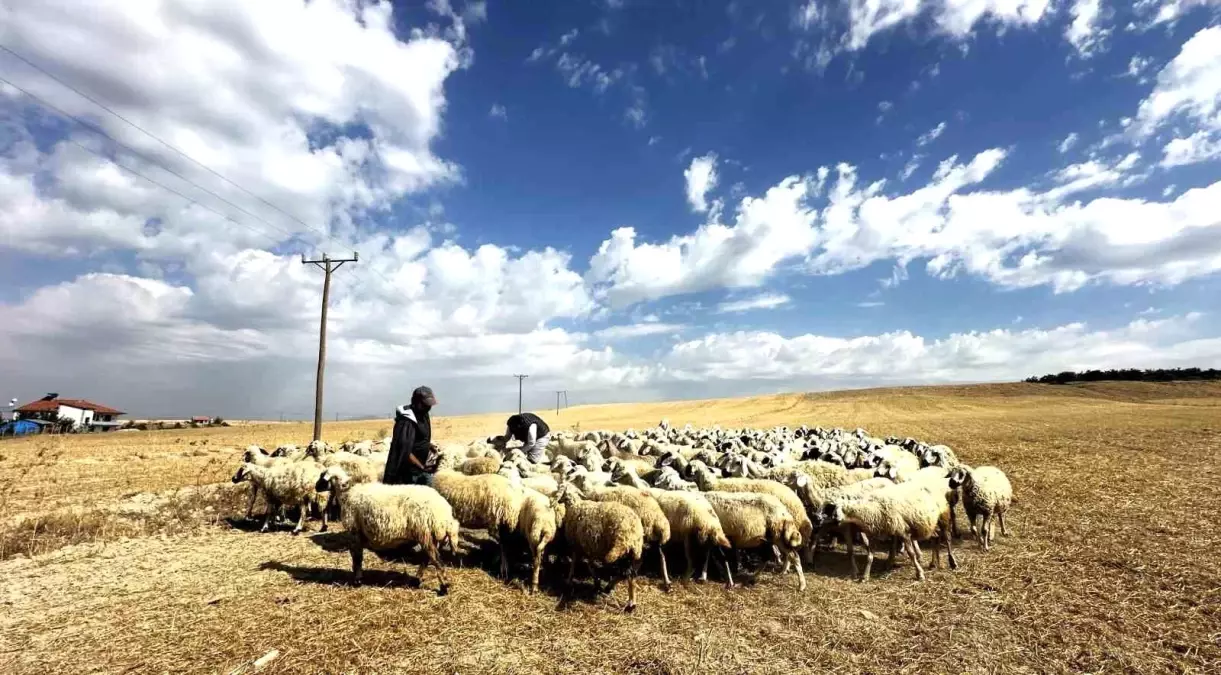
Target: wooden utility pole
column 327, row 265
column 519, row 381
column 557, row 399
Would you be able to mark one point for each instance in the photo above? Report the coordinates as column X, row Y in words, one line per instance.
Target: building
column 85, row 415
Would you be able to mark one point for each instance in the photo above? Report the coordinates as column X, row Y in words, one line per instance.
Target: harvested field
column 116, row 556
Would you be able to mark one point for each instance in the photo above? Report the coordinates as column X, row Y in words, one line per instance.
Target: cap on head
column 424, row 395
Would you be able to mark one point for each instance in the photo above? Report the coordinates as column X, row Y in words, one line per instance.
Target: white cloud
column 568, row 37
column 904, row 358
column 635, row 330
column 868, row 304
column 767, row 231
column 1068, row 142
column 701, row 178
column 762, row 301
column 1085, row 32
column 1137, row 66
column 931, row 135
column 498, row 111
column 1198, row 147
column 955, row 18
column 636, row 115
column 910, row 168
column 1189, row 87
column 1172, row 10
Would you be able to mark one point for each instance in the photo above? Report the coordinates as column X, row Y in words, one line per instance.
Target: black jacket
column 519, row 426
column 412, row 435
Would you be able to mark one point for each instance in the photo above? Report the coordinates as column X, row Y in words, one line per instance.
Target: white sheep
column 382, row 517
column 537, row 523
column 986, row 492
column 750, row 520
column 285, row 484
column 654, row 521
column 484, row 502
column 601, row 533
column 257, row 455
column 909, row 511
column 692, row 522
column 707, row 481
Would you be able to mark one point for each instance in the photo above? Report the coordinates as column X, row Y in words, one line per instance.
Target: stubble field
column 117, row 555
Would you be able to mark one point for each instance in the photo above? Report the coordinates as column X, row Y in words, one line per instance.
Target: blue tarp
column 19, row 428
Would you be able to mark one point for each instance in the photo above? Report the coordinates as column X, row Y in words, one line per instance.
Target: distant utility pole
column 557, row 399
column 519, row 380
column 328, row 265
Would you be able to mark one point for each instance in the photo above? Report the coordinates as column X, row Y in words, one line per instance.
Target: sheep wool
column 383, row 517
column 603, row 533
column 692, row 522
column 285, row 484
column 986, row 492
column 484, row 502
column 654, row 521
column 537, row 523
column 750, row 520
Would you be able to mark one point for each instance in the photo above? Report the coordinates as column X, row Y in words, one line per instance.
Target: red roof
column 53, row 405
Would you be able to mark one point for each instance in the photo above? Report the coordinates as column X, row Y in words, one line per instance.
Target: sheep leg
column 850, row 543
column 985, row 530
column 358, row 558
column 801, row 577
column 665, row 571
column 504, row 554
column 779, row 558
column 868, row 557
column 707, row 558
column 1000, row 516
column 301, row 518
column 914, row 553
column 690, row 562
column 572, row 569
column 273, row 509
column 631, row 584
column 326, row 506
column 254, row 492
column 947, row 538
column 538, row 562
column 728, row 574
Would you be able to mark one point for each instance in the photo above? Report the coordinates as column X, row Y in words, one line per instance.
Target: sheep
column 749, row 520
column 817, row 499
column 257, row 455
column 692, row 522
column 986, row 492
column 605, row 533
column 910, row 512
column 485, row 502
column 573, row 450
column 707, row 482
column 821, row 474
column 537, row 523
column 939, row 455
column 358, row 469
column 668, row 479
column 652, row 518
column 383, row 517
column 480, row 465
column 290, row 451
column 285, row 484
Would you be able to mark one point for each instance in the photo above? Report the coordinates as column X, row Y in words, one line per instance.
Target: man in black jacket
column 534, row 434
column 411, row 460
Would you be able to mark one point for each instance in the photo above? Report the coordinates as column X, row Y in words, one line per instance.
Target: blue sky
column 820, row 194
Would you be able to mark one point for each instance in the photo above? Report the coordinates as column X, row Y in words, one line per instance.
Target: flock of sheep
column 606, row 498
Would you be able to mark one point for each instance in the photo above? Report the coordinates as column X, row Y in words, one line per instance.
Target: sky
column 628, row 200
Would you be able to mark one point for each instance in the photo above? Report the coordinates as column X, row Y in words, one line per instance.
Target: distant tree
column 64, row 424
column 1128, row 375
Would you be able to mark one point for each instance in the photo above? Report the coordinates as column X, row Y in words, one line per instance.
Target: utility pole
column 519, row 381
column 557, row 399
column 327, row 265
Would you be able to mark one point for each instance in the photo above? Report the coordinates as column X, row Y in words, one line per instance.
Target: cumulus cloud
column 701, row 178
column 1198, row 147
column 1068, row 142
column 1085, row 33
column 931, row 135
column 1188, row 88
column 867, row 18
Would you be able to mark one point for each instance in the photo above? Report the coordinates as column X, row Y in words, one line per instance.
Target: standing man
column 411, row 460
column 534, row 434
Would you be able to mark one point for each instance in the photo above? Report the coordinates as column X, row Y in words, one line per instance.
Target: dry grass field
column 117, row 556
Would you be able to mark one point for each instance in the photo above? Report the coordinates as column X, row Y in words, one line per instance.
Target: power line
column 165, row 143
column 159, row 184
column 101, row 132
column 519, row 381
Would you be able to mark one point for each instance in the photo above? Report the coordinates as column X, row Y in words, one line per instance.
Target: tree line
column 1128, row 375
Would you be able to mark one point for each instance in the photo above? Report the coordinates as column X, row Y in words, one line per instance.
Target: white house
column 85, row 415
